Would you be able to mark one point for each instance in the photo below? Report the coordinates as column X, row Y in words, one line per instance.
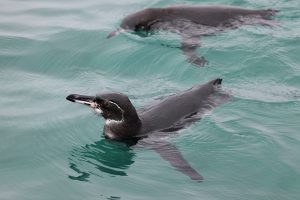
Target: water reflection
column 108, row 156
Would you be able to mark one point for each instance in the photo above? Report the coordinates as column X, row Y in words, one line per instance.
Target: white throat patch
column 98, row 110
column 109, row 122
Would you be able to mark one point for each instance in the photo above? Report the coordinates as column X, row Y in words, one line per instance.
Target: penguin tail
column 217, row 81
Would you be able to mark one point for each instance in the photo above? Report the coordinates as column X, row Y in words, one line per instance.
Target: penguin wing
column 189, row 46
column 170, row 153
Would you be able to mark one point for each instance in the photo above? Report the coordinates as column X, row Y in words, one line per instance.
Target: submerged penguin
column 192, row 22
column 147, row 125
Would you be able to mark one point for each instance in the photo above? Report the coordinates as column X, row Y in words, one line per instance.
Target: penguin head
column 112, row 106
column 139, row 21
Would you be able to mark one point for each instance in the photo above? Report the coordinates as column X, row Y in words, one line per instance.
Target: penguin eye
column 102, row 104
column 108, row 104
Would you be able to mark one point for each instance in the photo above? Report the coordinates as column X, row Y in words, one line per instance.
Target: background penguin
column 193, row 21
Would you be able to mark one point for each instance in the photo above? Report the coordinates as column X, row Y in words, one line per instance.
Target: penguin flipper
column 189, row 46
column 170, row 153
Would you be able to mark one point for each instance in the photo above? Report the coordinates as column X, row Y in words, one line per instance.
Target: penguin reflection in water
column 146, row 126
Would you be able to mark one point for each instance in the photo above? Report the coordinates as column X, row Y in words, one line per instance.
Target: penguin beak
column 87, row 100
column 114, row 33
column 77, row 98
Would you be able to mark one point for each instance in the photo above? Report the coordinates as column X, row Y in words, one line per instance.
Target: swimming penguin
column 147, row 124
column 193, row 21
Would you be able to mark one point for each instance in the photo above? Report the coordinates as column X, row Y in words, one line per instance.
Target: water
column 53, row 149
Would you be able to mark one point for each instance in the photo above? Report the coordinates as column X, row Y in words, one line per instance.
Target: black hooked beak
column 77, row 98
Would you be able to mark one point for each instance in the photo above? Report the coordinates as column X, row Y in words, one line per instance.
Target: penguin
column 123, row 122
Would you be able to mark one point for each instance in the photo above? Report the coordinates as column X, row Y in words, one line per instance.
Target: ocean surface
column 50, row 148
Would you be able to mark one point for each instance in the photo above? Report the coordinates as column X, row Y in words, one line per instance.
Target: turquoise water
column 53, row 149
